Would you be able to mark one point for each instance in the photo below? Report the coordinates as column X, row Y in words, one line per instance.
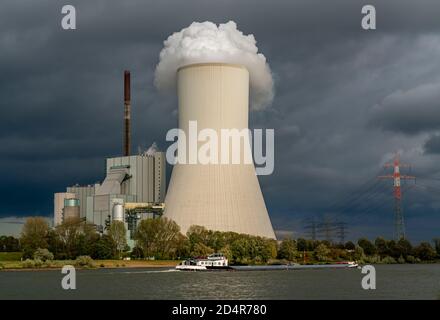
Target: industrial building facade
column 137, row 181
column 133, row 189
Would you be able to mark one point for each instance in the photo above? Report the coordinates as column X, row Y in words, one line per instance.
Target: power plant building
column 133, row 189
column 81, row 193
column 223, row 197
column 132, row 179
column 58, row 205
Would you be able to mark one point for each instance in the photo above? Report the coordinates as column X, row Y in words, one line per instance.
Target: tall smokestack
column 127, row 114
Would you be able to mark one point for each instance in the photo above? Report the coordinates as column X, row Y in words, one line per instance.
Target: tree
column 182, row 249
column 200, row 250
column 54, row 245
column 137, row 253
column 217, row 239
column 369, row 248
column 405, row 248
column 349, row 245
column 104, row 248
column 119, row 235
column 267, row 249
column 157, row 237
column 301, row 244
column 74, row 238
column 69, row 236
column 424, row 251
column 321, row 252
column 437, row 246
column 288, row 250
column 9, row 244
column 226, row 251
column 382, row 247
column 393, row 249
column 197, row 234
column 240, row 250
column 34, row 235
column 359, row 254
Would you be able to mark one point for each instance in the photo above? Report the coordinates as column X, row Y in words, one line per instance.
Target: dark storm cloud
column 345, row 98
column 432, row 145
column 412, row 111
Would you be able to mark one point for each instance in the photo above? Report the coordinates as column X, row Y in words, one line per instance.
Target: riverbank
column 97, row 264
column 117, row 264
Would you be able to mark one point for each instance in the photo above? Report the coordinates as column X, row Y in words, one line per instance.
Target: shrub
column 372, row 259
column 43, row 255
column 28, row 263
column 401, row 260
column 2, row 266
column 84, row 261
column 388, row 260
column 38, row 263
column 137, row 253
column 411, row 259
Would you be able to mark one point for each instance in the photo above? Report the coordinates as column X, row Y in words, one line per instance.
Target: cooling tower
column 223, row 197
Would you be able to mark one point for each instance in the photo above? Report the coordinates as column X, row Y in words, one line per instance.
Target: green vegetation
column 160, row 242
column 84, row 262
column 9, row 244
column 34, row 235
column 10, row 256
column 288, row 250
column 322, row 253
column 118, row 233
column 159, row 238
column 43, row 255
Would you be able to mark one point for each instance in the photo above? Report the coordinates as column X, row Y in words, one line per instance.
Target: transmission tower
column 399, row 224
column 326, row 228
column 341, row 231
column 311, row 228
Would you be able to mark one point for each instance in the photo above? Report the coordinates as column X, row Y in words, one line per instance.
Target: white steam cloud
column 207, row 42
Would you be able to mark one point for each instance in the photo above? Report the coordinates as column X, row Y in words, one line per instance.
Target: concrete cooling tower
column 223, row 197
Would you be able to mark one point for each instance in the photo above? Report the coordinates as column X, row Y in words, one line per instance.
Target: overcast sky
column 345, row 100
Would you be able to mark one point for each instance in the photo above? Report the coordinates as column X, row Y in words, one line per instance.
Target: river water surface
column 421, row 281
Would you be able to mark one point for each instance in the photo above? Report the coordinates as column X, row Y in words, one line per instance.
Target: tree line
column 71, row 239
column 161, row 239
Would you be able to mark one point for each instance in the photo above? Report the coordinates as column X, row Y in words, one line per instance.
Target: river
column 420, row 281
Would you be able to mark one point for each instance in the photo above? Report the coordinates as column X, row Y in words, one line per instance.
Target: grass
column 135, row 263
column 58, row 264
column 10, row 256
